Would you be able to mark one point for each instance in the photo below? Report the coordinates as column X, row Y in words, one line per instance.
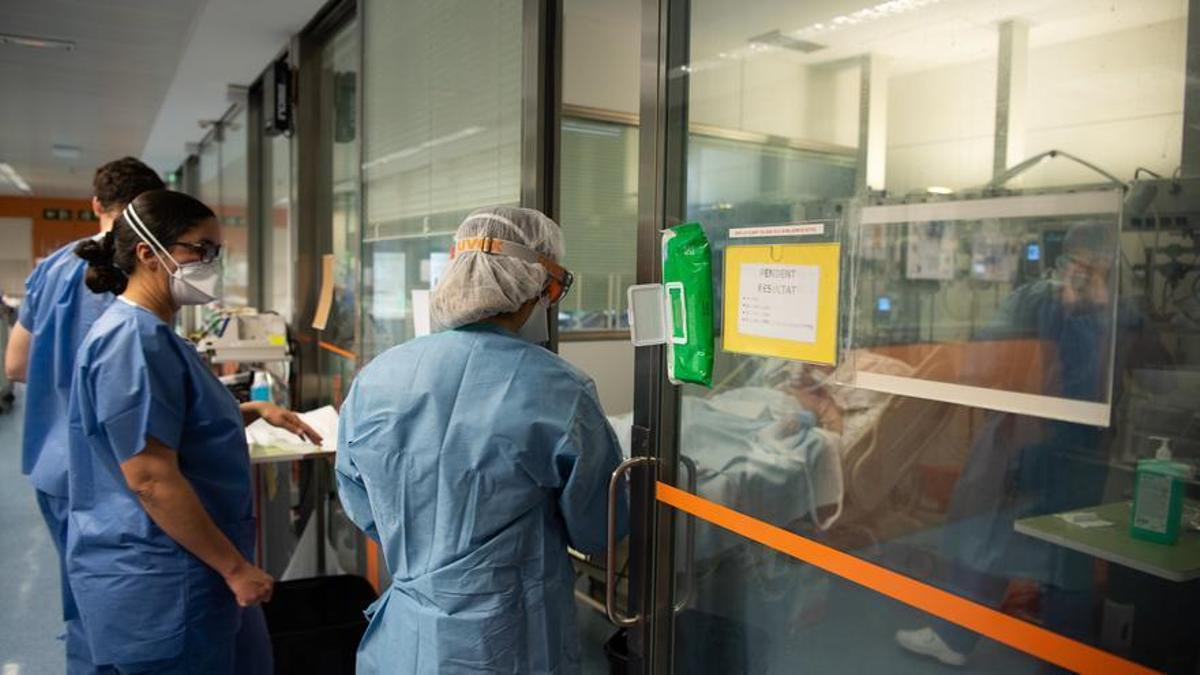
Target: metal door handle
column 610, row 555
column 689, row 560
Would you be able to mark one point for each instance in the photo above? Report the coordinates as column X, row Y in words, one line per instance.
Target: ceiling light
column 777, row 39
column 10, row 174
column 939, row 190
column 882, row 10
column 35, row 42
column 64, row 151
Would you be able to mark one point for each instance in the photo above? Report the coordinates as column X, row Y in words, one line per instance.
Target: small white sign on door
column 779, row 301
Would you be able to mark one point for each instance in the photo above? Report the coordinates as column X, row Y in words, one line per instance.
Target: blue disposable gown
column 58, row 310
column 143, row 598
column 475, row 459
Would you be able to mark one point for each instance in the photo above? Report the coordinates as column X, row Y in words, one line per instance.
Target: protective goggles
column 557, row 285
column 206, row 250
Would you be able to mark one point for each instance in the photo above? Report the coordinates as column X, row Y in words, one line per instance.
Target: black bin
column 616, row 649
column 316, row 624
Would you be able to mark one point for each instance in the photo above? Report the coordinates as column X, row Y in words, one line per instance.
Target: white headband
column 139, row 228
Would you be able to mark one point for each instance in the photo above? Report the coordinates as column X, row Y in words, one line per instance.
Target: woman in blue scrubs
column 476, row 457
column 161, row 530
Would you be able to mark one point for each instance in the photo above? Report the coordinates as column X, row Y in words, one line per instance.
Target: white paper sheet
column 779, row 301
column 323, row 420
column 422, row 325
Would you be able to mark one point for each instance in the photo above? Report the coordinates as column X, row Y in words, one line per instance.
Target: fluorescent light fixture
column 65, row 151
column 777, row 39
column 882, row 10
column 35, row 42
column 10, row 174
column 939, row 190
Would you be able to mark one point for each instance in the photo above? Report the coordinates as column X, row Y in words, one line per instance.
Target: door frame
column 313, row 238
column 662, row 183
column 541, row 116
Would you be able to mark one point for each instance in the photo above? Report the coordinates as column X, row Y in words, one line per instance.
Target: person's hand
column 250, row 585
column 286, row 419
column 1085, row 285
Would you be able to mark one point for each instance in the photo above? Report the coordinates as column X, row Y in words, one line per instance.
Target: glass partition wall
column 278, row 256
column 442, row 118
column 866, row 515
column 231, row 207
column 849, row 517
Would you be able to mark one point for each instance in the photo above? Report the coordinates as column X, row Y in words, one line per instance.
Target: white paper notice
column 789, row 230
column 421, row 318
column 779, row 301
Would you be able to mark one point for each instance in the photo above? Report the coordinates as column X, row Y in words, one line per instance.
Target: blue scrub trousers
column 79, row 655
column 248, row 654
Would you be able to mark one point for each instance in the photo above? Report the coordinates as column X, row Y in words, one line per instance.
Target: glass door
column 836, row 525
column 325, row 155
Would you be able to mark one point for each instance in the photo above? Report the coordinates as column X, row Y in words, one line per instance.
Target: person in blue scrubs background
column 54, row 316
column 476, row 457
column 161, row 528
column 1021, row 466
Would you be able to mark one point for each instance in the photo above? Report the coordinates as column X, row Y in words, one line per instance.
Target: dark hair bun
column 102, row 275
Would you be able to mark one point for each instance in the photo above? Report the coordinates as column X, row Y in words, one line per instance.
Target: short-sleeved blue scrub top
column 141, row 595
column 58, row 310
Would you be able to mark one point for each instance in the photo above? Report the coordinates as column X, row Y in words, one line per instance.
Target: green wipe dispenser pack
column 679, row 311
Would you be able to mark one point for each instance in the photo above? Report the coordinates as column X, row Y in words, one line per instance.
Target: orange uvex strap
column 1044, row 644
column 506, row 248
column 487, row 245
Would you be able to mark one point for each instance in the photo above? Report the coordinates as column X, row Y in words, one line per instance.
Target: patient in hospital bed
column 770, row 442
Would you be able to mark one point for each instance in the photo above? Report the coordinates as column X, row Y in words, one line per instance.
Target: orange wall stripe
column 337, row 350
column 1044, row 644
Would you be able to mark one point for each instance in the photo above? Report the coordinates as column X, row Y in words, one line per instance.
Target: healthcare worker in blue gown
column 161, row 529
column 476, row 457
column 56, row 313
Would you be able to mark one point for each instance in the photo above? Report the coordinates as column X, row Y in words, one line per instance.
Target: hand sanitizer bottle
column 1158, row 495
column 260, row 387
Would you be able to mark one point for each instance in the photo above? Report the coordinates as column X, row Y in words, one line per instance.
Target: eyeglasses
column 559, row 283
column 207, row 250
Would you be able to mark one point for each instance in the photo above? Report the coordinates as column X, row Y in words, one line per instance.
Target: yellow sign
column 782, row 301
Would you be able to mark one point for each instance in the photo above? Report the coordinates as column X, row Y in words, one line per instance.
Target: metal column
column 872, row 125
column 1012, row 87
column 1191, row 98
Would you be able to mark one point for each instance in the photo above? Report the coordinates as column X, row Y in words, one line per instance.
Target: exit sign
column 57, row 214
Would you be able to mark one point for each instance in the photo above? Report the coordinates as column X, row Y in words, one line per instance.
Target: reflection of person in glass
column 1021, row 466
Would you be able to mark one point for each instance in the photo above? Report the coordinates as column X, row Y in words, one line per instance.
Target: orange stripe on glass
column 1044, row 644
column 329, row 347
column 373, row 563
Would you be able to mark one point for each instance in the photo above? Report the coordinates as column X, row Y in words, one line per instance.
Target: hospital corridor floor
column 30, row 616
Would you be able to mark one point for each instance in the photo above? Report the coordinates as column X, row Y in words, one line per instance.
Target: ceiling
column 917, row 34
column 231, row 42
column 141, row 76
column 101, row 97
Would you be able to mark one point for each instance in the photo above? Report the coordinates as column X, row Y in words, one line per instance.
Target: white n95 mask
column 536, row 330
column 195, row 283
column 192, row 283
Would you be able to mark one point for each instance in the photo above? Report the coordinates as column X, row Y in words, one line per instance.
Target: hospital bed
column 785, row 443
